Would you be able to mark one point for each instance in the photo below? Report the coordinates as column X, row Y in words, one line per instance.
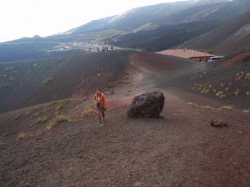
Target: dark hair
column 98, row 89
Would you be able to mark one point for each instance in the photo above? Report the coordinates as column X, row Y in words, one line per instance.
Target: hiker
column 100, row 105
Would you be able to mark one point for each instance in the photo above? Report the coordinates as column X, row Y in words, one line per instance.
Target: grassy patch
column 248, row 94
column 60, row 107
column 21, row 136
column 76, row 108
column 17, row 117
column 56, row 120
column 87, row 111
column 9, row 68
column 36, row 114
column 227, row 107
column 12, row 78
column 219, row 93
column 200, row 106
column 45, row 111
column 236, row 93
column 52, row 103
column 203, row 91
column 27, row 114
column 247, row 76
column 2, row 86
column 46, row 81
column 38, row 107
column 42, row 120
column 222, row 96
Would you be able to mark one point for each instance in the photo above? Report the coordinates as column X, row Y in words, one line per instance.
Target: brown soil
column 178, row 149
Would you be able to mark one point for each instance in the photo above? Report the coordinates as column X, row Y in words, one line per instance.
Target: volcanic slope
column 178, row 149
column 228, row 38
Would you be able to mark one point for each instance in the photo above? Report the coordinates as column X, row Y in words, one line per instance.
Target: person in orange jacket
column 100, row 105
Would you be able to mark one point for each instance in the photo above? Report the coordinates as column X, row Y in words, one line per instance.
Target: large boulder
column 147, row 105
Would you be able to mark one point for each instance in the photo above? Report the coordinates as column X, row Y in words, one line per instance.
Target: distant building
column 188, row 53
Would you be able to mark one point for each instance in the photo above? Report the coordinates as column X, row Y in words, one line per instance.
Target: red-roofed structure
column 187, row 53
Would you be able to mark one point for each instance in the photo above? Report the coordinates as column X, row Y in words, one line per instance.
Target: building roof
column 185, row 53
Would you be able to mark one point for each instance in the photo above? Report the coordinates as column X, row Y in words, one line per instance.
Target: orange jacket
column 101, row 100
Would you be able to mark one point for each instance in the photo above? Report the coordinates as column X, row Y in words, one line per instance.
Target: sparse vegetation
column 17, row 117
column 236, row 93
column 46, row 81
column 247, row 76
column 203, row 91
column 27, row 114
column 42, row 120
column 5, row 134
column 219, row 93
column 227, row 88
column 60, row 107
column 209, row 51
column 222, row 96
column 248, row 94
column 76, row 108
column 56, row 120
column 222, row 85
column 38, row 107
column 45, row 111
column 21, row 136
column 36, row 114
column 2, row 86
column 52, row 103
column 227, row 107
column 9, row 68
column 12, row 78
column 87, row 111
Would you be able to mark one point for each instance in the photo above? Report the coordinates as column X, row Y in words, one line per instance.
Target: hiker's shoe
column 99, row 121
column 103, row 120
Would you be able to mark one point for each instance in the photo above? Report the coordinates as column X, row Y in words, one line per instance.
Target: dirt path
column 179, row 149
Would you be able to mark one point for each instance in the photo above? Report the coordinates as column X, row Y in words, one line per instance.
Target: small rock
column 218, row 123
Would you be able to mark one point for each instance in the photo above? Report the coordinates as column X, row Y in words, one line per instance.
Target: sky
column 26, row 18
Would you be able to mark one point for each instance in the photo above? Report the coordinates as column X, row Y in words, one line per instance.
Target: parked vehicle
column 210, row 59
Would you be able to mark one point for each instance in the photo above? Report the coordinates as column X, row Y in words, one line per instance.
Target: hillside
column 163, row 37
column 230, row 37
column 28, row 83
column 150, row 17
column 60, row 143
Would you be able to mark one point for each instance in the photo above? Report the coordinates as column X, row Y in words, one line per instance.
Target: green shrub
column 21, row 136
column 36, row 114
column 27, row 114
column 46, row 81
column 87, row 112
column 45, row 111
column 59, row 107
column 17, row 117
column 209, row 51
column 205, row 91
column 222, row 96
column 38, row 107
column 52, row 103
column 42, row 120
column 2, row 86
column 56, row 120
column 9, row 68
